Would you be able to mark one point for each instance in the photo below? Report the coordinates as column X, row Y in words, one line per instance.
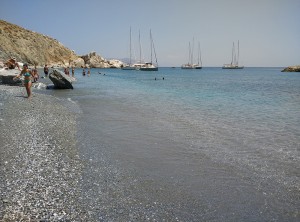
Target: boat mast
column 151, row 43
column 237, row 62
column 140, row 47
column 153, row 50
column 232, row 61
column 130, row 47
column 190, row 58
column 192, row 54
column 199, row 55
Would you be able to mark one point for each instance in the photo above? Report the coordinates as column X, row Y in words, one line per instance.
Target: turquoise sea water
column 223, row 143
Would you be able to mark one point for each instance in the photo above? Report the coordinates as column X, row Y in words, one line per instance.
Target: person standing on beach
column 46, row 70
column 35, row 74
column 89, row 72
column 27, row 79
column 73, row 71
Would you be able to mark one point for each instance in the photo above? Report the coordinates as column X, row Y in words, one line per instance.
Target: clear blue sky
column 268, row 30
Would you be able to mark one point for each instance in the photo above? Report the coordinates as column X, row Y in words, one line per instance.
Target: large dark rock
column 292, row 69
column 61, row 80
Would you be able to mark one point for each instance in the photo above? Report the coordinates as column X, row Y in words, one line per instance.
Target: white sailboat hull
column 189, row 66
column 129, row 68
column 232, row 67
column 148, row 67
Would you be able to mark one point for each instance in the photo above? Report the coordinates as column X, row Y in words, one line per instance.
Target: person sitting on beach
column 46, row 70
column 27, row 78
column 12, row 63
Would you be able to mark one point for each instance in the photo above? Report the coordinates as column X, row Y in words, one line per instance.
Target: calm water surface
column 210, row 144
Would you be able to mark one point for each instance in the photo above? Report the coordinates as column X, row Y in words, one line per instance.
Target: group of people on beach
column 30, row 75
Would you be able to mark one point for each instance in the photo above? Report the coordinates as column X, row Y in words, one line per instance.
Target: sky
column 268, row 31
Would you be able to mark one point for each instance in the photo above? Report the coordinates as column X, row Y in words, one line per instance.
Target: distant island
column 38, row 49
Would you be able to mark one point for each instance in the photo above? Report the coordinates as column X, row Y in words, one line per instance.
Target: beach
column 40, row 165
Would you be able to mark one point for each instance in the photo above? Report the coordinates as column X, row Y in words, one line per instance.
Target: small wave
column 72, row 101
column 39, row 85
column 72, row 105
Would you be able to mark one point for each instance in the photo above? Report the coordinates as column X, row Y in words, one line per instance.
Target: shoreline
column 40, row 165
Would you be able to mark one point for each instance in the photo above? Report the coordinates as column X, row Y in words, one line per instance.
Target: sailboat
column 140, row 62
column 190, row 64
column 234, row 59
column 129, row 66
column 199, row 64
column 148, row 66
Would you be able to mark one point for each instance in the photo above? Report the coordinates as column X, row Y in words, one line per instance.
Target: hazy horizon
column 267, row 30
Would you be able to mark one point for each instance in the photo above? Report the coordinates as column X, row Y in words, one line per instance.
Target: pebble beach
column 39, row 165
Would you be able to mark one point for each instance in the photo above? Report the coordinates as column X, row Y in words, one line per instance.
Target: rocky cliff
column 35, row 48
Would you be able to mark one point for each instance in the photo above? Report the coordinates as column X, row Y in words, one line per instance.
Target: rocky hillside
column 31, row 47
column 35, row 48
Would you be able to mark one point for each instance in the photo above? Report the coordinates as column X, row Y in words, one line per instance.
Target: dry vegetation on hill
column 31, row 47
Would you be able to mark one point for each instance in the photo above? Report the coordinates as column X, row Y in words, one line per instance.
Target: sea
column 189, row 145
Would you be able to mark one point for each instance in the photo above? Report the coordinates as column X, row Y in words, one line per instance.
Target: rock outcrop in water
column 291, row 69
column 93, row 60
column 61, row 80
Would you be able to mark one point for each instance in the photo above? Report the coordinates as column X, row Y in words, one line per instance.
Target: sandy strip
column 40, row 168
